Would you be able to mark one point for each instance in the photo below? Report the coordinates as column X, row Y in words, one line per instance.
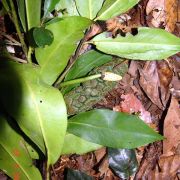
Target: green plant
column 30, row 93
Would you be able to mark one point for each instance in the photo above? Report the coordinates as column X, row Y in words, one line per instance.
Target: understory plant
column 34, row 120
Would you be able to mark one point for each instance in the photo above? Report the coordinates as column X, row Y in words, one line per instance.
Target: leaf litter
column 150, row 90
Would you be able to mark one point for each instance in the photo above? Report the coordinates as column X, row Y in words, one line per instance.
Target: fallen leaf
column 172, row 128
column 99, row 154
column 155, row 78
column 131, row 104
column 171, row 8
column 156, row 10
column 166, row 169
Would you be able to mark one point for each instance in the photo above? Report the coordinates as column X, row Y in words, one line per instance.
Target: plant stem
column 80, row 80
column 15, row 20
column 72, row 61
column 29, row 55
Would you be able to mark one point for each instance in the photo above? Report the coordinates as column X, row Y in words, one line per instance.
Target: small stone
column 88, row 91
column 82, row 99
column 94, row 92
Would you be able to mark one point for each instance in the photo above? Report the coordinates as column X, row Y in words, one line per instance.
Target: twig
column 11, row 39
column 15, row 58
column 15, row 20
column 72, row 61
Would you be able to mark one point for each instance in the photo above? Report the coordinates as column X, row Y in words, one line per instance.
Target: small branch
column 11, row 39
column 15, row 58
column 15, row 20
column 80, row 80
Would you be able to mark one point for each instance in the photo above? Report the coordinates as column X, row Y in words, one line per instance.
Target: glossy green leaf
column 148, row 44
column 33, row 13
column 42, row 36
column 32, row 152
column 54, row 58
column 22, row 12
column 67, row 8
column 49, row 5
column 5, row 4
column 38, row 108
column 123, row 162
column 89, row 8
column 14, row 158
column 84, row 64
column 112, row 8
column 77, row 175
column 112, row 129
column 76, row 145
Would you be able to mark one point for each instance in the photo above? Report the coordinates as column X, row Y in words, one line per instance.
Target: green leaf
column 14, row 158
column 54, row 58
column 77, row 175
column 32, row 152
column 148, row 44
column 42, row 36
column 33, row 13
column 38, row 108
column 5, row 4
column 112, row 8
column 84, row 64
column 49, row 5
column 22, row 13
column 88, row 8
column 123, row 162
column 67, row 8
column 112, row 129
column 76, row 145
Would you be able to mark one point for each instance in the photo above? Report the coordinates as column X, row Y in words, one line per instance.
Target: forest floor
column 151, row 88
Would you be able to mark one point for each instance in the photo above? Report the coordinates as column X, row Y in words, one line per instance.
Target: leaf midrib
column 105, row 128
column 129, row 43
column 37, row 110
column 6, row 149
column 90, row 8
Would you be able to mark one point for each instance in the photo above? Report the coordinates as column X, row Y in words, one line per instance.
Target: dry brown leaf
column 171, row 8
column 131, row 104
column 172, row 128
column 99, row 154
column 156, row 10
column 155, row 78
column 166, row 169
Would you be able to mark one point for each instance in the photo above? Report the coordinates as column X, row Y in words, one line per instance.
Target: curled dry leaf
column 99, row 154
column 155, row 79
column 172, row 128
column 156, row 11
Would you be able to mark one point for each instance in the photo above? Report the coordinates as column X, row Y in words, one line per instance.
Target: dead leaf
column 156, row 12
column 166, row 169
column 155, row 79
column 131, row 104
column 172, row 128
column 99, row 154
column 171, row 8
